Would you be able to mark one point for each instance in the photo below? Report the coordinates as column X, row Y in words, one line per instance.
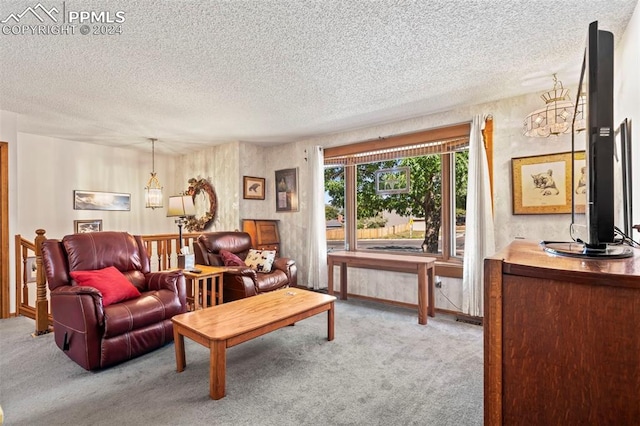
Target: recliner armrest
column 65, row 300
column 288, row 266
column 245, row 277
column 283, row 263
column 243, row 271
column 173, row 281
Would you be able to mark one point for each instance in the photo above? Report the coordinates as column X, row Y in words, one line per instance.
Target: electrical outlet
column 438, row 284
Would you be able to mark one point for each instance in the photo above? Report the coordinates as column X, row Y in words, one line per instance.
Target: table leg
column 432, row 290
column 178, row 340
column 422, row 294
column 330, row 323
column 330, row 277
column 217, row 369
column 203, row 283
column 219, row 283
column 190, row 291
column 343, row 281
column 196, row 293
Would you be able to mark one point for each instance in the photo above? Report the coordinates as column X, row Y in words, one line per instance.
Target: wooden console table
column 423, row 266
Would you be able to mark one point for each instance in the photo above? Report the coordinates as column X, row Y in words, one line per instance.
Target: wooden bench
column 423, row 266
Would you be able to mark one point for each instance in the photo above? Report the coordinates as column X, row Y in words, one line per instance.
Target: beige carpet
column 381, row 369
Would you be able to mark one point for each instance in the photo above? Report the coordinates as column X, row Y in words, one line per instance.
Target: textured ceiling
column 194, row 73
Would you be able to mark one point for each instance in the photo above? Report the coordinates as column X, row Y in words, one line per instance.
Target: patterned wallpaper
column 224, row 166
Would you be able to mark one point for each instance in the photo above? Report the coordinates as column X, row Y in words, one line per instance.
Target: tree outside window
column 417, row 215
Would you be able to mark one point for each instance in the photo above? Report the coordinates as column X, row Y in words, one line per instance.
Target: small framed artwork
column 542, row 183
column 95, row 200
column 83, row 226
column 287, row 190
column 393, row 181
column 30, row 270
column 253, row 188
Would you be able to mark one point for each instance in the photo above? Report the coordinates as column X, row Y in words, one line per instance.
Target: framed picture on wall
column 96, row 200
column 542, row 183
column 90, row 225
column 30, row 270
column 253, row 188
column 287, row 190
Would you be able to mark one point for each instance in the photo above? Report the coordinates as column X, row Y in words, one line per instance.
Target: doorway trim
column 4, row 231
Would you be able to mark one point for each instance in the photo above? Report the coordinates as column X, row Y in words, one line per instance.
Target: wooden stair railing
column 162, row 250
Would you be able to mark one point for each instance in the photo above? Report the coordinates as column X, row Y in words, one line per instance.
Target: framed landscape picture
column 96, row 200
column 90, row 225
column 253, row 188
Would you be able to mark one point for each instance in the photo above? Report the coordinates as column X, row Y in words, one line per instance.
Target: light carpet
column 383, row 368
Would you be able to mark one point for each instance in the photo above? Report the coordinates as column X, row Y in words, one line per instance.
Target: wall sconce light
column 181, row 206
column 153, row 190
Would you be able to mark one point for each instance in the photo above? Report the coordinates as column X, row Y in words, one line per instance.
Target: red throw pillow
column 231, row 259
column 113, row 285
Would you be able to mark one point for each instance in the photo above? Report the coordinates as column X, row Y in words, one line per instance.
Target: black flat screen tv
column 593, row 207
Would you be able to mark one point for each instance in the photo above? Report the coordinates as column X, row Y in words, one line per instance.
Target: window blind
column 434, row 141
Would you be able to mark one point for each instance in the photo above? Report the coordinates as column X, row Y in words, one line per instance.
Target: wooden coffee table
column 223, row 326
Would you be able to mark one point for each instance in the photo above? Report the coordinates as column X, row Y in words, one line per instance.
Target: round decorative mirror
column 205, row 203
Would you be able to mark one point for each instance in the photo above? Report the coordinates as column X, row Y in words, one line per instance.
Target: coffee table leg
column 330, row 323
column 217, row 369
column 178, row 340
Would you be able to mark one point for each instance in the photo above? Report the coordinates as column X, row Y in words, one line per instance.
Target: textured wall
column 509, row 142
column 219, row 165
column 224, row 166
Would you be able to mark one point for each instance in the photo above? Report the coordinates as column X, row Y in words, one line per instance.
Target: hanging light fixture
column 556, row 117
column 153, row 190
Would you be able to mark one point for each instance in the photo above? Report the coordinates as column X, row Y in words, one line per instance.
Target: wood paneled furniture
column 264, row 234
column 197, row 288
column 223, row 326
column 562, row 339
column 423, row 266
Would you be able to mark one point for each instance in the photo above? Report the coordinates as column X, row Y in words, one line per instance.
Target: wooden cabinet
column 562, row 338
column 264, row 234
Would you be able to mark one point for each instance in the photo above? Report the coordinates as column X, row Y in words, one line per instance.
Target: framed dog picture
column 542, row 184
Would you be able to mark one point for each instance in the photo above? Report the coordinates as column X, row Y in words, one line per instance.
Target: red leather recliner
column 241, row 282
column 97, row 336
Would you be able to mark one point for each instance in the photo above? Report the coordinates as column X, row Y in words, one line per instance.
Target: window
column 405, row 194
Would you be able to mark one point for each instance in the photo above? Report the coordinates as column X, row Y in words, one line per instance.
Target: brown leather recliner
column 97, row 336
column 242, row 282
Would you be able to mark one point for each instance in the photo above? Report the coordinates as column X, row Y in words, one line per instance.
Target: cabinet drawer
column 267, row 232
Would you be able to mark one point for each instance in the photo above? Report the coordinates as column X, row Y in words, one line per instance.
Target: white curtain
column 316, row 236
column 479, row 236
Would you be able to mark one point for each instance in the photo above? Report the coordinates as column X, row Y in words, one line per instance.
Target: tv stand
column 562, row 338
column 582, row 250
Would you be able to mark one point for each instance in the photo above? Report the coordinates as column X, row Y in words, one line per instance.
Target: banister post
column 42, row 304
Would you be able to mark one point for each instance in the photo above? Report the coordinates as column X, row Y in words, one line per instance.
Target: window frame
column 447, row 264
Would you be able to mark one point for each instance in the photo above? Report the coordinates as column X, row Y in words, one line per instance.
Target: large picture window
column 426, row 216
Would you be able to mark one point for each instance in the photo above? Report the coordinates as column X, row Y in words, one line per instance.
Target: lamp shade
column 181, row 206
